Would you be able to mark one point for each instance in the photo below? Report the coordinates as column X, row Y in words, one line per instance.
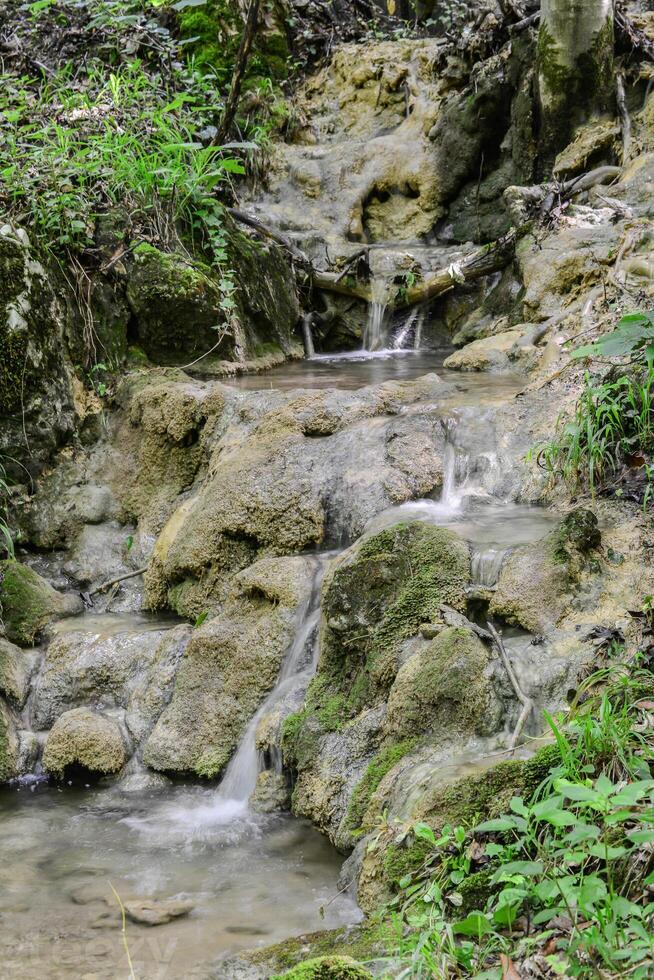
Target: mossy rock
column 327, row 968
column 28, row 603
column 87, row 740
column 14, row 673
column 365, row 941
column 382, row 764
column 8, row 745
column 378, row 594
column 445, row 689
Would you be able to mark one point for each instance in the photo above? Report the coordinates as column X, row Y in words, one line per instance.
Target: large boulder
column 230, row 664
column 87, row 740
column 28, row 603
column 129, row 669
column 375, row 598
column 15, row 670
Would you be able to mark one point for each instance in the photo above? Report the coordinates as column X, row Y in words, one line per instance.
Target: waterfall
column 486, row 563
column 240, row 777
column 400, row 340
column 374, row 332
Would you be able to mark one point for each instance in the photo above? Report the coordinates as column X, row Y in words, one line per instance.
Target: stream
column 249, row 879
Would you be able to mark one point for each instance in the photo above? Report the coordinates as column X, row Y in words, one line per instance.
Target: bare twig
column 242, row 58
column 115, row 581
column 527, row 703
column 625, row 120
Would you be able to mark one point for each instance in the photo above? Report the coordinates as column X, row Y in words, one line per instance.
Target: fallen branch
column 275, row 236
column 490, row 258
column 625, row 121
column 527, row 703
column 115, row 581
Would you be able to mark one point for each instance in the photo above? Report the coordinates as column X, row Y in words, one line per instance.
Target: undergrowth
column 567, row 872
column 610, row 438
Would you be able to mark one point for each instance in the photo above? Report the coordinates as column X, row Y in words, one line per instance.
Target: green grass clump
column 573, row 845
column 382, row 764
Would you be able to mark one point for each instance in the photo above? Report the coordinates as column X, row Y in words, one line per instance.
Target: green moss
column 366, row 941
column 401, row 860
column 382, row 764
column 475, row 890
column 84, row 738
column 487, row 794
column 328, row 968
column 27, row 602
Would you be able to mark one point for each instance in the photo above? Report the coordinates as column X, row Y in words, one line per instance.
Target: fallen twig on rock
column 115, row 581
column 527, row 703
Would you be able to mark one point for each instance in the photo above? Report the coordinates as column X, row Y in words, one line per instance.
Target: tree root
column 527, row 703
column 625, row 120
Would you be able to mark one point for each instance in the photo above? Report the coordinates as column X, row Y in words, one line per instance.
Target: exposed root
column 527, row 703
column 625, row 120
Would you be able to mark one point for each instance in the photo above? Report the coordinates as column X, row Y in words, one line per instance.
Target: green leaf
column 606, row 851
column 576, row 791
column 183, row 4
column 525, row 868
column 475, row 924
column 582, row 832
column 424, row 832
column 491, row 826
column 641, row 836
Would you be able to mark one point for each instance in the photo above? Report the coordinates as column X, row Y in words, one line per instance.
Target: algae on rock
column 86, row 739
column 28, row 603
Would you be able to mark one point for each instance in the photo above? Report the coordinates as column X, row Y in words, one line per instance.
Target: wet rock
column 157, row 912
column 534, row 588
column 131, row 669
column 29, row 603
column 485, row 354
column 291, row 471
column 9, row 744
column 271, row 793
column 446, row 690
column 15, row 670
column 86, row 739
column 230, row 664
column 591, row 141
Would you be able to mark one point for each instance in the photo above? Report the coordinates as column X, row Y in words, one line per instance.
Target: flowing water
column 252, row 882
column 250, row 879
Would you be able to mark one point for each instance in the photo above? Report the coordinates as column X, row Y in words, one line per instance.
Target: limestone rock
column 29, row 603
column 230, row 664
column 271, row 793
column 534, row 586
column 9, row 744
column 446, row 690
column 87, row 739
column 14, row 673
column 291, row 471
column 485, row 354
column 157, row 912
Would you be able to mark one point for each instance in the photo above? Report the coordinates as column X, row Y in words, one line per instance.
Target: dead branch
column 115, row 581
column 527, row 703
column 275, row 236
column 490, row 258
column 242, row 58
column 625, row 120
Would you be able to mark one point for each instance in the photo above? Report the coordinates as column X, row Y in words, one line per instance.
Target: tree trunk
column 247, row 40
column 575, row 69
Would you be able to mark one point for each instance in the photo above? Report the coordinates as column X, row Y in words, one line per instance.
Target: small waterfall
column 405, row 331
column 240, row 777
column 417, row 337
column 486, row 563
column 374, row 334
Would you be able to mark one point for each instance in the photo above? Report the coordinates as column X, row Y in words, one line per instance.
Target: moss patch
column 382, row 764
column 328, row 968
column 28, row 602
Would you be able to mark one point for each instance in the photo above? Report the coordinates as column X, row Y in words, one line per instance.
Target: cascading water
column 374, row 334
column 299, row 665
column 486, row 563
